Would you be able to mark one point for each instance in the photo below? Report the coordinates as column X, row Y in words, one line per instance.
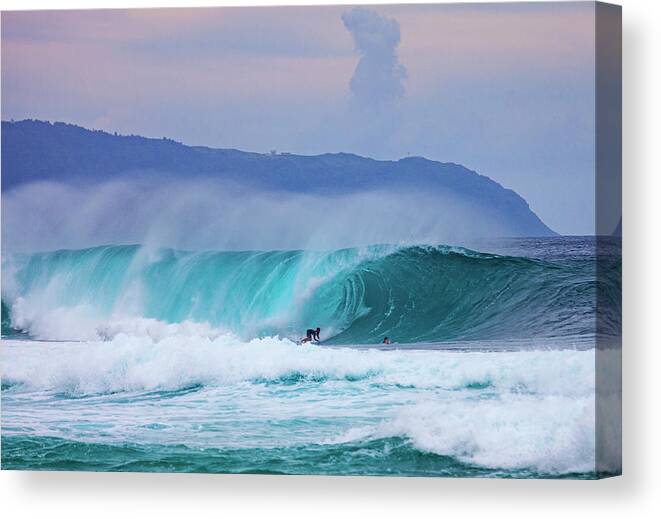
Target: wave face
column 360, row 295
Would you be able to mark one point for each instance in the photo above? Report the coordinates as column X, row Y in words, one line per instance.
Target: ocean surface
column 131, row 358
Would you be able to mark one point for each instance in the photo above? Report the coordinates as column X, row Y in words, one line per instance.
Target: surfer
column 386, row 340
column 311, row 335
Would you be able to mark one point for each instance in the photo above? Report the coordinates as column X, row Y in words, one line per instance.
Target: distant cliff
column 41, row 151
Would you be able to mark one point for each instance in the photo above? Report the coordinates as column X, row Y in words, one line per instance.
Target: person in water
column 386, row 340
column 311, row 335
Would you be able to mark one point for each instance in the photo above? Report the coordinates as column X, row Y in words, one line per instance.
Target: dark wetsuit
column 312, row 335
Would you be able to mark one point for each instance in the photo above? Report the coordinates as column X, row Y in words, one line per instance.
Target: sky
column 504, row 89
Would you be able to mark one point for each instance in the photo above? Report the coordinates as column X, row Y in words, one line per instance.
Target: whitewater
column 130, row 358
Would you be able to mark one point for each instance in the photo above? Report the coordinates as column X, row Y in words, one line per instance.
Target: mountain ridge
column 34, row 150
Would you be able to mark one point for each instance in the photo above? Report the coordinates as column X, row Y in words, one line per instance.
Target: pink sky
column 506, row 89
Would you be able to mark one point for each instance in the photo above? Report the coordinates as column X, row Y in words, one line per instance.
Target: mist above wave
column 207, row 214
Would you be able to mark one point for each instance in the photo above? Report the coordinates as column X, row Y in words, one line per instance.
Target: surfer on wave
column 311, row 335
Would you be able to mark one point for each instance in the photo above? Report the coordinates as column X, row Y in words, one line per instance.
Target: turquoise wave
column 358, row 295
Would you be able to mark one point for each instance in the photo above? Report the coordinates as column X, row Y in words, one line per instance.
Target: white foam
column 146, row 354
column 84, row 322
column 553, row 434
column 528, row 410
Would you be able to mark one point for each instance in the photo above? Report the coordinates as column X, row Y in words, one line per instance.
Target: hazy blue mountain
column 37, row 151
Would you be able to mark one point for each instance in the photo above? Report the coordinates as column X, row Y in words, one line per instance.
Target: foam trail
column 511, row 411
column 189, row 356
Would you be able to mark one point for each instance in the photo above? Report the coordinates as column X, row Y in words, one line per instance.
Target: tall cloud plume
column 378, row 80
column 377, row 86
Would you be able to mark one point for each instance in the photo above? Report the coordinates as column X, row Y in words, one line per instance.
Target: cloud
column 375, row 118
column 378, row 80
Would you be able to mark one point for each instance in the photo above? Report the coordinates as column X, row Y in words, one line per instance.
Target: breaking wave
column 359, row 295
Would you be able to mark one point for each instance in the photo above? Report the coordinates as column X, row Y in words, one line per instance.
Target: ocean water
column 128, row 358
